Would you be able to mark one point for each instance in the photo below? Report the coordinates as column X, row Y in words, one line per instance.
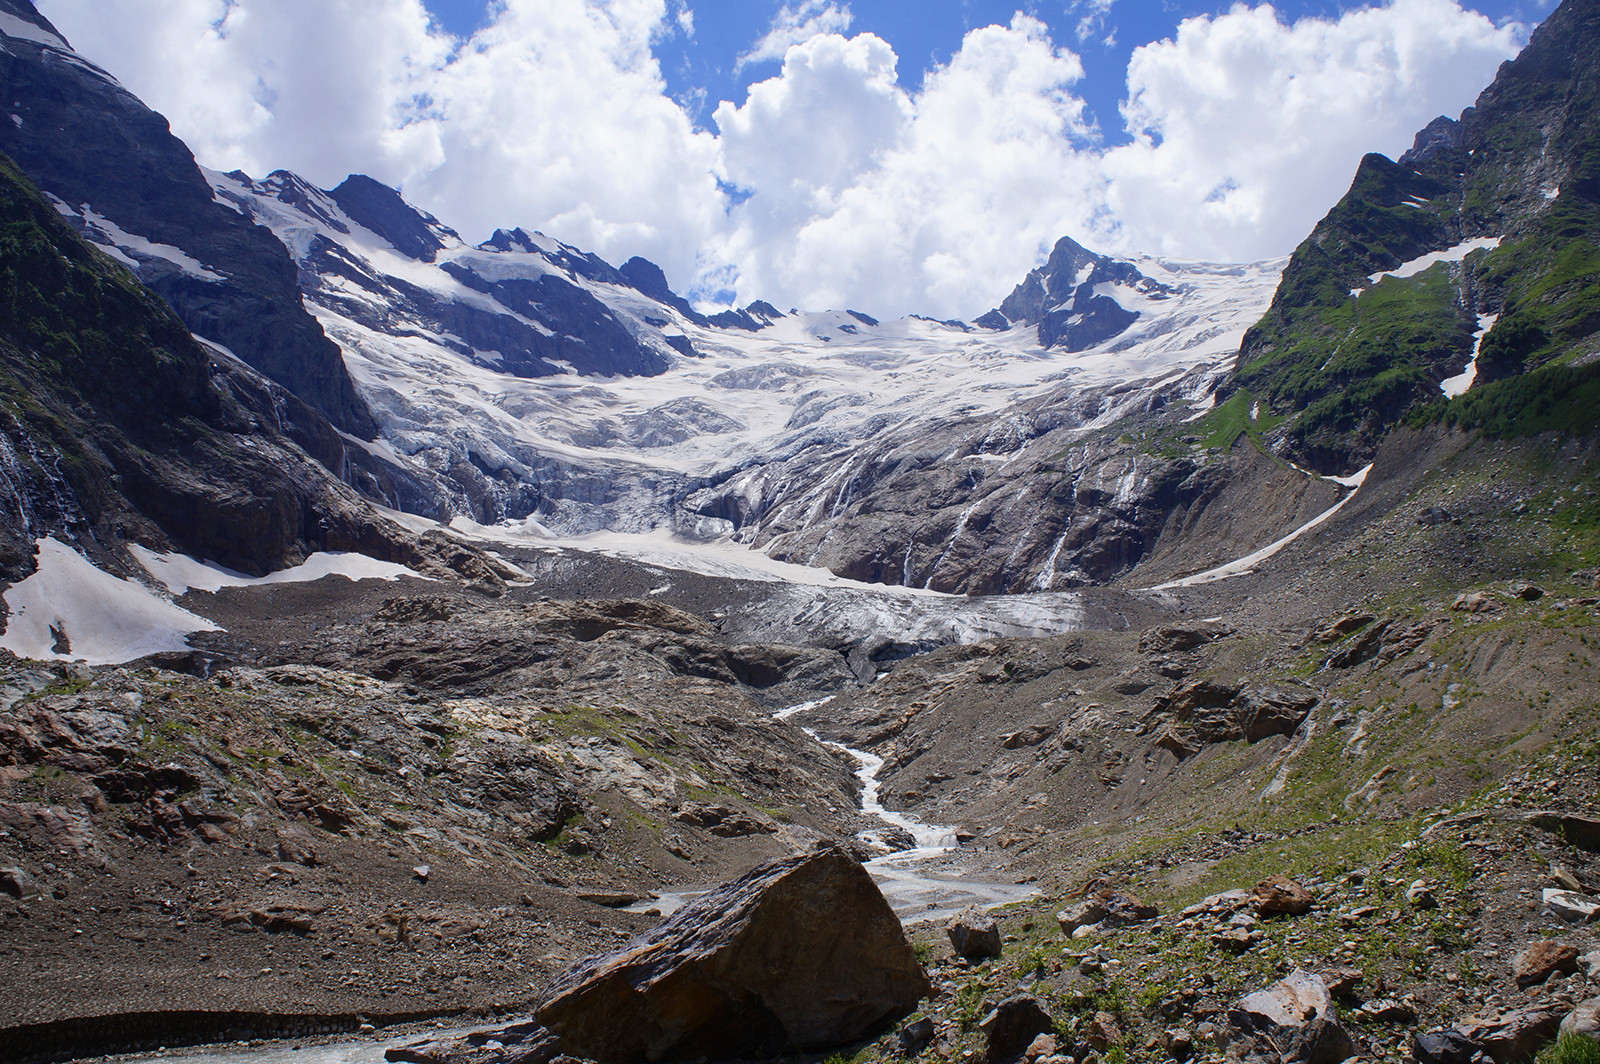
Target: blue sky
column 895, row 157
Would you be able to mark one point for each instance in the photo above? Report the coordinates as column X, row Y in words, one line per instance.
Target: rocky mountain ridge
column 1472, row 255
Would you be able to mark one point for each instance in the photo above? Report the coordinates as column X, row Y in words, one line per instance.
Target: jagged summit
column 381, row 209
column 1073, row 298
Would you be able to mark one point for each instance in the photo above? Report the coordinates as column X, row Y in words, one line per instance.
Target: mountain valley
column 393, row 622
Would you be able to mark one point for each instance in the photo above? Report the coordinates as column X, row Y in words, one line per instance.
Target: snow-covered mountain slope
column 534, row 381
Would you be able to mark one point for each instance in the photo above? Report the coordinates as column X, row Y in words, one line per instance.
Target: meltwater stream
column 917, row 895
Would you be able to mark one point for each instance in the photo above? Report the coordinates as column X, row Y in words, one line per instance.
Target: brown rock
column 1512, row 1036
column 1576, row 829
column 1280, row 894
column 1543, row 959
column 1088, row 911
column 973, row 933
column 1291, row 1022
column 1043, row 1045
column 1340, row 981
column 1103, row 1032
column 1122, row 907
column 800, row 953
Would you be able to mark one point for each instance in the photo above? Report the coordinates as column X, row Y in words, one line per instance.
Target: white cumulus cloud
column 829, row 184
column 796, row 24
column 1247, row 129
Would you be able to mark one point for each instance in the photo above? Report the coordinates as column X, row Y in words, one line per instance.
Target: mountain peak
column 374, row 205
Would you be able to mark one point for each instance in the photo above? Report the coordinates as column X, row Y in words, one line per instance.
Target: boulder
column 17, row 883
column 1105, row 906
column 1574, row 828
column 1515, row 1036
column 1086, row 912
column 1388, row 1010
column 1291, row 1022
column 1279, row 894
column 1583, row 1020
column 1103, row 1032
column 974, row 934
column 915, row 1036
column 1474, row 602
column 1571, row 906
column 1121, row 907
column 1012, row 1027
column 1442, row 1047
column 1341, row 981
column 1336, row 630
column 1170, row 638
column 1043, row 1045
column 800, row 954
column 1543, row 959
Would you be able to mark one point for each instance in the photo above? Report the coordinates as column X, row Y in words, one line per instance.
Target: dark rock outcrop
column 1060, row 298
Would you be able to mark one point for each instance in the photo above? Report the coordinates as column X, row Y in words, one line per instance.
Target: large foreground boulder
column 800, row 954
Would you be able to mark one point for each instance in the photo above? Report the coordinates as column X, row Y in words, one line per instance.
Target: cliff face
column 1469, row 261
column 117, row 425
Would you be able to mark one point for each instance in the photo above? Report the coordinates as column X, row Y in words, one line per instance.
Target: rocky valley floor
column 385, row 802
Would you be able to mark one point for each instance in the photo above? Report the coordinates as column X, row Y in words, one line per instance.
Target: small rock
column 1388, row 1010
column 1543, row 959
column 1088, row 911
column 1474, row 602
column 974, row 934
column 1442, row 1047
column 1012, row 1027
column 1043, row 1045
column 915, row 1036
column 421, row 872
column 17, row 883
column 1357, row 915
column 1121, row 907
column 1280, row 894
column 1527, row 592
column 1563, row 879
column 1292, row 1022
column 1590, row 963
column 1419, row 895
column 1340, row 981
column 1571, row 906
column 1179, row 1043
column 1237, row 939
column 1103, row 1032
column 1584, row 1020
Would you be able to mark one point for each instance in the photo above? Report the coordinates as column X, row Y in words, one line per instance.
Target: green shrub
column 1570, row 1049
